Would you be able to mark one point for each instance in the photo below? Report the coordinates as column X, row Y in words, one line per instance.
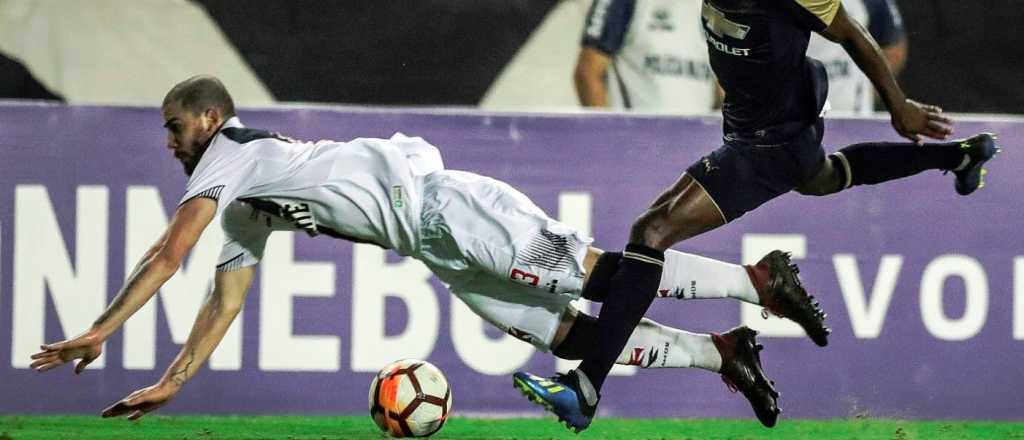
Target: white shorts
column 500, row 254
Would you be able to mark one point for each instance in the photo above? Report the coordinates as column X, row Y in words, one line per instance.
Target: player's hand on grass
column 912, row 119
column 143, row 401
column 87, row 346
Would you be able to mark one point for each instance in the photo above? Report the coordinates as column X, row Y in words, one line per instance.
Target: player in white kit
column 849, row 90
column 646, row 55
column 497, row 251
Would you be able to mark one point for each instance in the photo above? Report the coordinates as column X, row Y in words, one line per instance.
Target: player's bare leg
column 680, row 212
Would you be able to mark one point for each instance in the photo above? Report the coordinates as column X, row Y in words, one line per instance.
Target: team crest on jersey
column 661, row 21
column 716, row 23
column 396, row 197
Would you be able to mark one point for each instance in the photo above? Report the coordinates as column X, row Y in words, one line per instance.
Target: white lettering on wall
column 867, row 315
column 373, row 280
column 281, row 279
column 42, row 263
column 975, row 289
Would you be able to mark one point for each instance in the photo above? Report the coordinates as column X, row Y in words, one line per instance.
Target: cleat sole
column 526, row 391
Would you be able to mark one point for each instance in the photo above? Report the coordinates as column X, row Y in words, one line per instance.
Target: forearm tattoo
column 181, row 376
column 118, row 303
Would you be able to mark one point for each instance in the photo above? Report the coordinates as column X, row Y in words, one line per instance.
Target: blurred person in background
column 849, row 90
column 645, row 55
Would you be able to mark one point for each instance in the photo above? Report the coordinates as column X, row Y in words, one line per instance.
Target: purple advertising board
column 924, row 288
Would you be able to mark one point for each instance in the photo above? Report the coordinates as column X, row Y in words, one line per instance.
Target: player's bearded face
column 188, row 134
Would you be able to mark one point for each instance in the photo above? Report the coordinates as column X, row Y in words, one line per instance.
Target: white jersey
column 364, row 190
column 659, row 58
column 849, row 90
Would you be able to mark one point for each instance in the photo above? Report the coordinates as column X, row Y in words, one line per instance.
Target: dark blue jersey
column 758, row 51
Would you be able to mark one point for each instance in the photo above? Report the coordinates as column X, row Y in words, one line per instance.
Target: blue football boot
column 979, row 148
column 560, row 395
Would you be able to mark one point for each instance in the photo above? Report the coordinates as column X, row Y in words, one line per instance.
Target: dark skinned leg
column 681, row 212
column 684, row 210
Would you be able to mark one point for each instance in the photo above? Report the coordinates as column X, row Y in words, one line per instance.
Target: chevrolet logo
column 716, row 22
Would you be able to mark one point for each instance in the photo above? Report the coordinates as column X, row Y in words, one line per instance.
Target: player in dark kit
column 774, row 102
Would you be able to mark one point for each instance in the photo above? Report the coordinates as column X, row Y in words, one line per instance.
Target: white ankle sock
column 688, row 276
column 653, row 345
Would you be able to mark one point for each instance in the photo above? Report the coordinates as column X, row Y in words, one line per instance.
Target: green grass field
column 322, row 428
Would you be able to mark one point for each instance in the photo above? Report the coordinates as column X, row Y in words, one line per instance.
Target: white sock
column 688, row 276
column 653, row 345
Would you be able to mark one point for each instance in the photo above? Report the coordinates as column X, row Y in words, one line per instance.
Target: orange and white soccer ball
column 410, row 398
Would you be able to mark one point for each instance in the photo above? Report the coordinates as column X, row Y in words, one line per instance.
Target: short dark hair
column 201, row 92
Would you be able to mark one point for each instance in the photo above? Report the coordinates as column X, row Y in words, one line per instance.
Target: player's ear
column 212, row 118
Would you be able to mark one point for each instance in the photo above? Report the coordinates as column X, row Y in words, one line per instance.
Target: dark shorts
column 748, row 171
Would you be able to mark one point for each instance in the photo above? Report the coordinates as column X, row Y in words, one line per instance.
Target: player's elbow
column 166, row 260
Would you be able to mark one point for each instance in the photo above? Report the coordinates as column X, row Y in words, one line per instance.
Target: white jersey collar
column 204, row 160
column 232, row 122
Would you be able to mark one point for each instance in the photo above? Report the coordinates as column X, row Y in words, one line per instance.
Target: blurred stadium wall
column 964, row 55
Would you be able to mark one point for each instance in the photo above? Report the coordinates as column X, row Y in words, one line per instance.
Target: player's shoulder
column 246, row 135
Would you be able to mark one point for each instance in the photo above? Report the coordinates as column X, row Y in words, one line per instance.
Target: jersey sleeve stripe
column 824, row 10
column 212, row 193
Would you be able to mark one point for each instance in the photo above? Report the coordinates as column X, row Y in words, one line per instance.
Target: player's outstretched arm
column 155, row 268
column 215, row 316
column 910, row 119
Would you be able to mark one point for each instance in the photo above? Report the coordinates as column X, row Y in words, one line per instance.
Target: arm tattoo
column 179, row 377
column 118, row 302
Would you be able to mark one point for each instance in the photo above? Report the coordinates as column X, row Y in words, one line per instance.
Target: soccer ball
column 410, row 398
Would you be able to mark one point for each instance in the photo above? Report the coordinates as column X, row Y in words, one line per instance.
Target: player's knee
column 651, row 227
column 829, row 180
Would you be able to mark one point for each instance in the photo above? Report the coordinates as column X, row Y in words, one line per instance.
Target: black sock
column 600, row 277
column 872, row 163
column 631, row 292
column 580, row 340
